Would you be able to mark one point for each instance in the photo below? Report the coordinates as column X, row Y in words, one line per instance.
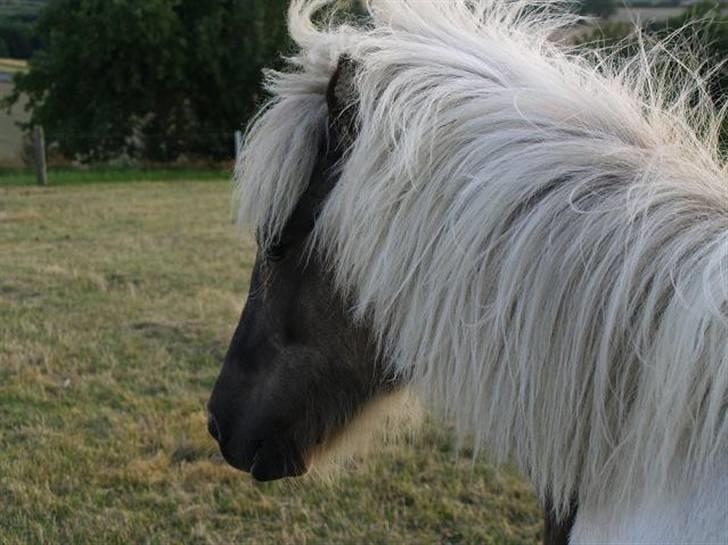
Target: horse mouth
column 268, row 460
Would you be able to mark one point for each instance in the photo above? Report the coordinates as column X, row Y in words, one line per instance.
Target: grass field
column 116, row 305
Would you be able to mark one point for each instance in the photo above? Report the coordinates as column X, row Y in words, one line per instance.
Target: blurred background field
column 117, row 301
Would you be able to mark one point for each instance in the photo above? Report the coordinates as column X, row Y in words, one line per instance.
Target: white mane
column 541, row 241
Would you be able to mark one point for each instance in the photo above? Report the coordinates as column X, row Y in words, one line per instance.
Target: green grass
column 116, row 305
column 93, row 175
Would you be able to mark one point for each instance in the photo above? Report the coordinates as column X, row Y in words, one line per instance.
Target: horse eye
column 276, row 252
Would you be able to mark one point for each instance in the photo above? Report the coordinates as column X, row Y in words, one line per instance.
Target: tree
column 18, row 39
column 16, row 28
column 153, row 79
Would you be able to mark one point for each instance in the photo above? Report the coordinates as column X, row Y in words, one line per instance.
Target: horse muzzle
column 266, row 459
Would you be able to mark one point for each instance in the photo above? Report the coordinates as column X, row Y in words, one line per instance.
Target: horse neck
column 697, row 515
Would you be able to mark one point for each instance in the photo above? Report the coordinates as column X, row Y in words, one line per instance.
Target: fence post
column 41, row 170
column 238, row 143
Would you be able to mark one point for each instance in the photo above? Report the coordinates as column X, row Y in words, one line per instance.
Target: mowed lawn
column 116, row 305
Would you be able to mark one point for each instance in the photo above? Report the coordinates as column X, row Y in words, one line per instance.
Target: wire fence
column 16, row 146
column 37, row 163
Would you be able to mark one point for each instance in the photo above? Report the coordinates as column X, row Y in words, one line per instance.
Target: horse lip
column 268, row 459
column 243, row 458
column 255, row 466
column 276, row 459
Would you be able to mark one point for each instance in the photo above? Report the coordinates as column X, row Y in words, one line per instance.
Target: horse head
column 534, row 242
column 299, row 368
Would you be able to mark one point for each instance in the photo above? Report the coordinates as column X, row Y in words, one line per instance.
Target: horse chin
column 382, row 420
column 277, row 460
column 281, row 456
column 268, row 460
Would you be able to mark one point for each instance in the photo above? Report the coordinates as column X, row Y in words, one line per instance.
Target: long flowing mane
column 540, row 240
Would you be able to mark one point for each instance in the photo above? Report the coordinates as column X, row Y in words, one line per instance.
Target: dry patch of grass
column 116, row 306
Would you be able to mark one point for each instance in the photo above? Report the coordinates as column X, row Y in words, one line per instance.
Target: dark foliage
column 599, row 8
column 703, row 27
column 150, row 79
column 17, row 39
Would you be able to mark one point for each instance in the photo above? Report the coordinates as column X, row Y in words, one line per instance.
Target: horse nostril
column 212, row 427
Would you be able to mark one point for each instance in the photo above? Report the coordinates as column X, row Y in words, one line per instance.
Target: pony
column 449, row 203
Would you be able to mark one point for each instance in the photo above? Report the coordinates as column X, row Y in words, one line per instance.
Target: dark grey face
column 298, row 369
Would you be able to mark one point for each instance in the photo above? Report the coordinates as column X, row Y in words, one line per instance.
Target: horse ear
column 342, row 102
